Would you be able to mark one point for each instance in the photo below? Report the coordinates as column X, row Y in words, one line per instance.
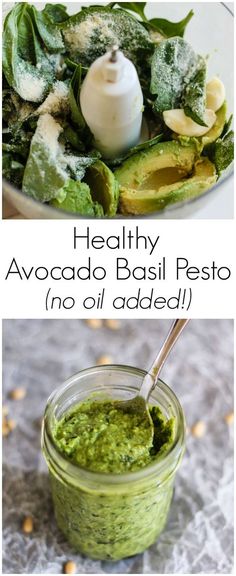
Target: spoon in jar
column 139, row 404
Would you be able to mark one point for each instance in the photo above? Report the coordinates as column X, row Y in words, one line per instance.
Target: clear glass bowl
column 111, row 516
column 210, row 32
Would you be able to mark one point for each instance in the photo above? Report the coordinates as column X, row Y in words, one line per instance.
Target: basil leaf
column 12, row 169
column 50, row 164
column 48, row 31
column 73, row 138
column 170, row 29
column 136, row 7
column 172, row 63
column 27, row 67
column 139, row 148
column 93, row 30
column 194, row 98
column 75, row 85
column 227, row 126
column 56, row 12
column 224, row 152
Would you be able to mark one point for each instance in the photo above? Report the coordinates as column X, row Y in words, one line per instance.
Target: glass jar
column 111, row 516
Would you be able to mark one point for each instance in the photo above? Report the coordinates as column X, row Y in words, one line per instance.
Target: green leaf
column 75, row 85
column 49, row 165
column 136, row 7
column 73, row 65
column 45, row 172
column 73, row 138
column 227, row 126
column 106, row 26
column 170, row 29
column 224, row 152
column 30, row 77
column 12, row 169
column 172, row 63
column 48, row 31
column 194, row 98
column 77, row 198
column 56, row 12
column 77, row 164
column 26, row 35
column 135, row 150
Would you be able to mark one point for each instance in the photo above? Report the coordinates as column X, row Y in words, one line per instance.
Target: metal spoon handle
column 150, row 380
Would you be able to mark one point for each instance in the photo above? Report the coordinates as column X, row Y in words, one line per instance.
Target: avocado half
column 165, row 174
column 103, row 186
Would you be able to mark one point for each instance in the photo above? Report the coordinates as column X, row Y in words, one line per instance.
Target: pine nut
column 70, row 567
column 199, row 429
column 28, row 525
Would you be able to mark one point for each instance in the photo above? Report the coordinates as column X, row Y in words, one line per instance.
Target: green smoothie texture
column 101, row 437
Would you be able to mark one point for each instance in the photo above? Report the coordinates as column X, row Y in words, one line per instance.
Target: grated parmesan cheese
column 57, row 100
column 48, row 132
column 79, row 36
column 30, row 86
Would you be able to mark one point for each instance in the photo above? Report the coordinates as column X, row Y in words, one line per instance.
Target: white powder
column 79, row 36
column 57, row 101
column 47, row 133
column 29, row 86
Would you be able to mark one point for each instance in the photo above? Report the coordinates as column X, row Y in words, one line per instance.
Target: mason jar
column 111, row 516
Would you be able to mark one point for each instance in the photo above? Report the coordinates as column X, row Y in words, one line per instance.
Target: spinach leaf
column 78, row 199
column 170, row 29
column 194, row 98
column 172, row 63
column 56, row 12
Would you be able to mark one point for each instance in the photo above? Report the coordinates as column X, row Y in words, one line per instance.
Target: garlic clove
column 177, row 121
column 215, row 94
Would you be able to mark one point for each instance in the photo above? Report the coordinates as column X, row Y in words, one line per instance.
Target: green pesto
column 99, row 436
column 101, row 519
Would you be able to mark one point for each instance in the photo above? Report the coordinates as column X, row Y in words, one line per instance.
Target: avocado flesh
column 103, row 187
column 164, row 156
column 146, row 201
column 162, row 177
column 216, row 130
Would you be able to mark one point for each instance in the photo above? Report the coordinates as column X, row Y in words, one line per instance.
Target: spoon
column 139, row 404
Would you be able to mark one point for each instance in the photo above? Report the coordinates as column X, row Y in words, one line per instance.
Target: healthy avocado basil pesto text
column 48, row 149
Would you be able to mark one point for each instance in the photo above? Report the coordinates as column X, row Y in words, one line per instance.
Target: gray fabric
column 39, row 355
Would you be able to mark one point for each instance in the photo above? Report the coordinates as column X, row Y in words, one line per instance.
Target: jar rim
column 88, row 476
